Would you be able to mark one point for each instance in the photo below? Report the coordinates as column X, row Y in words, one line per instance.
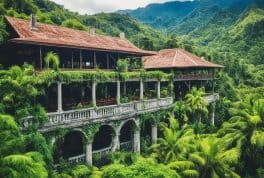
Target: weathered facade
column 99, row 116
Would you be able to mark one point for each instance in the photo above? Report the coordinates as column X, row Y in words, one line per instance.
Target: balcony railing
column 181, row 77
column 102, row 152
column 76, row 159
column 126, row 145
column 212, row 98
column 75, row 118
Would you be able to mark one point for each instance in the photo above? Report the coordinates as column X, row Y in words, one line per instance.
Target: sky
column 96, row 6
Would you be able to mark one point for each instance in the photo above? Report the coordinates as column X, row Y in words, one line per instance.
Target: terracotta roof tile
column 52, row 35
column 176, row 58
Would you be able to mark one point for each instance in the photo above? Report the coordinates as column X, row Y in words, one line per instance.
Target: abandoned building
column 112, row 108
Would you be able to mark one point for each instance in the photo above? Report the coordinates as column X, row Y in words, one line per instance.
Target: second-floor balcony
column 80, row 117
column 185, row 77
column 212, row 98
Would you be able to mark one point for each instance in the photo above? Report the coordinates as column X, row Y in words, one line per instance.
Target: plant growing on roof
column 52, row 57
column 122, row 65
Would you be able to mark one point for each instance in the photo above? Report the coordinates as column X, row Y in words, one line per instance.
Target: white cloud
column 95, row 6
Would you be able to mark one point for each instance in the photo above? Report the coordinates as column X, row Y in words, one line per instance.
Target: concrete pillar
column 59, row 97
column 213, row 115
column 94, row 93
column 53, row 140
column 89, row 154
column 116, row 142
column 141, row 90
column 154, row 133
column 118, row 92
column 136, row 141
column 158, row 89
column 81, row 59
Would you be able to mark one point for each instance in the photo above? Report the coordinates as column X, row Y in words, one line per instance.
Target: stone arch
column 104, row 137
column 135, row 124
column 71, row 144
column 146, row 132
column 127, row 134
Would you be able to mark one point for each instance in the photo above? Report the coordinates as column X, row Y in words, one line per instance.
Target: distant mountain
column 170, row 14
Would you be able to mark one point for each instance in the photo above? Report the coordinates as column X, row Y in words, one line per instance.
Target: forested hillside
column 229, row 32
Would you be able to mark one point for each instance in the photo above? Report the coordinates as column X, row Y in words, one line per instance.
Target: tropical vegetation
column 188, row 145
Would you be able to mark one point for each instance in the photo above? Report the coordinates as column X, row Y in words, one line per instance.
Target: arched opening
column 73, row 144
column 103, row 138
column 127, row 135
column 102, row 145
column 145, row 132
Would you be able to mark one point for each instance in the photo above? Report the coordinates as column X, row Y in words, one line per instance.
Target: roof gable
column 52, row 35
column 177, row 58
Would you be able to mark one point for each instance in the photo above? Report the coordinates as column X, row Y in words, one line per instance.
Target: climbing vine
column 154, row 117
column 91, row 130
column 100, row 76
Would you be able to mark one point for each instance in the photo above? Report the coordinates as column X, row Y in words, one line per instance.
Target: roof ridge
column 174, row 58
column 189, row 58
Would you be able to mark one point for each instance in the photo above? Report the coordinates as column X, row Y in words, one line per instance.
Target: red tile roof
column 52, row 35
column 176, row 58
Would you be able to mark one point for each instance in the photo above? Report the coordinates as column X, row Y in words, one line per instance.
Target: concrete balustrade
column 79, row 117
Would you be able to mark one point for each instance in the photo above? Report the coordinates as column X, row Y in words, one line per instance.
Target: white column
column 53, row 140
column 59, row 97
column 89, row 154
column 136, row 141
column 94, row 93
column 116, row 142
column 154, row 133
column 213, row 115
column 158, row 89
column 141, row 90
column 118, row 92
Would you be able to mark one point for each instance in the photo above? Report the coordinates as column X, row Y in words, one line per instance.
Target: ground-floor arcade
column 78, row 145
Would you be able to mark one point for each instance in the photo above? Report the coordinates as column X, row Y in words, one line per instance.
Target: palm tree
column 214, row 159
column 13, row 163
column 246, row 128
column 53, row 58
column 181, row 109
column 175, row 143
column 24, row 166
column 196, row 102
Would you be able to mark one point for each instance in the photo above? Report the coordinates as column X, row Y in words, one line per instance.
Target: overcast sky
column 95, row 6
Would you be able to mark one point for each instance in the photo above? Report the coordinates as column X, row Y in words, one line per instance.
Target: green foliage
column 90, row 131
column 215, row 159
column 28, row 165
column 175, row 143
column 36, row 142
column 195, row 101
column 142, row 168
column 80, row 171
column 52, row 58
column 18, row 91
column 13, row 163
column 181, row 110
column 75, row 24
column 122, row 65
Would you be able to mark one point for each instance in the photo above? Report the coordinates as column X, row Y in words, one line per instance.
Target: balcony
column 80, row 117
column 185, row 77
column 212, row 98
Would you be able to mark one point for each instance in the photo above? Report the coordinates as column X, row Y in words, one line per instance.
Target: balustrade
column 65, row 117
column 102, row 152
column 126, row 145
column 194, row 77
column 211, row 98
column 76, row 159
